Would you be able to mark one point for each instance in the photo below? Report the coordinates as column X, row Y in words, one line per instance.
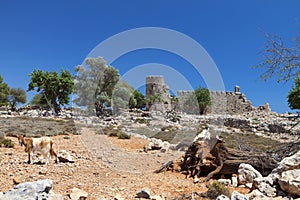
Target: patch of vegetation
column 249, row 141
column 113, row 131
column 6, row 143
column 215, row 189
column 66, row 137
column 166, row 134
column 37, row 127
column 123, row 136
column 141, row 121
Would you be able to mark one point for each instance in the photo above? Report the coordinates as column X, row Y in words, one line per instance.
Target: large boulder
column 288, row 163
column 246, row 174
column 29, row 191
column 290, row 182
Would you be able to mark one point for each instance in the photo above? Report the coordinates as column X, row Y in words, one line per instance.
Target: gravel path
column 122, row 160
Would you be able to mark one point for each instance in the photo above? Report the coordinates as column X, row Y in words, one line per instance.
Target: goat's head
column 21, row 140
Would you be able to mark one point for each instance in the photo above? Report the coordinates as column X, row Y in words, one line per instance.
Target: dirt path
column 132, row 160
column 104, row 167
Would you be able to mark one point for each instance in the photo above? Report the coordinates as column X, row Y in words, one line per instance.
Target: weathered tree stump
column 211, row 157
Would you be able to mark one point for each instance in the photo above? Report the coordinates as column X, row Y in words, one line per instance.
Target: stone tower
column 157, row 94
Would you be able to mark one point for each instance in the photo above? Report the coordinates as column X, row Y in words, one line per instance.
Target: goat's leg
column 48, row 158
column 28, row 158
column 32, row 157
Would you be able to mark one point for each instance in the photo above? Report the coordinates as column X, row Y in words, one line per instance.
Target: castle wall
column 229, row 102
column 222, row 102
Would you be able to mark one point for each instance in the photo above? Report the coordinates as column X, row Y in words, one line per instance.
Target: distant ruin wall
column 229, row 102
column 222, row 102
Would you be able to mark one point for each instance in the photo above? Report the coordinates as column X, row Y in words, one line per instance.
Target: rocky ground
column 93, row 174
column 107, row 167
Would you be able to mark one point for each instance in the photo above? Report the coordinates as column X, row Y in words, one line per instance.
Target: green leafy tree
column 16, row 95
column 55, row 88
column 94, row 84
column 137, row 100
column 4, row 92
column 38, row 101
column 197, row 101
column 203, row 99
column 294, row 95
column 278, row 59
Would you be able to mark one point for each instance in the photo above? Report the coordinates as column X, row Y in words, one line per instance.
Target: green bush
column 215, row 189
column 141, row 121
column 123, row 136
column 112, row 131
column 6, row 143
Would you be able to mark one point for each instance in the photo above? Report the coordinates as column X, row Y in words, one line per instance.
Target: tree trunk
column 212, row 157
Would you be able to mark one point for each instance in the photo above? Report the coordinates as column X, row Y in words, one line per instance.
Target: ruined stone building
column 222, row 102
column 157, row 94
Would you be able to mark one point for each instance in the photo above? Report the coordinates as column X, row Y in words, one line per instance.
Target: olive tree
column 94, row 84
column 55, row 88
column 196, row 102
column 16, row 95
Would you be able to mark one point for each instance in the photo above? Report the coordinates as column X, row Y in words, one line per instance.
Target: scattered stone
column 246, row 174
column 222, row 197
column 238, row 196
column 53, row 196
column 157, row 197
column 17, row 180
column 249, row 185
column 196, row 180
column 256, row 194
column 225, row 181
column 78, row 194
column 264, row 186
column 117, row 197
column 65, row 156
column 43, row 172
column 234, row 180
column 290, row 182
column 145, row 193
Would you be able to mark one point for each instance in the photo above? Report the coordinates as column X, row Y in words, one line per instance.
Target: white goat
column 43, row 145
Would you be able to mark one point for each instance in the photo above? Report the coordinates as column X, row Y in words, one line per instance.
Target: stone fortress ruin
column 158, row 94
column 222, row 102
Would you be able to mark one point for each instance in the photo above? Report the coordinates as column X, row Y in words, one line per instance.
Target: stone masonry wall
column 156, row 85
column 222, row 102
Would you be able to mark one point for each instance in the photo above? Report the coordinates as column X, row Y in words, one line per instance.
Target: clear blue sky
column 54, row 35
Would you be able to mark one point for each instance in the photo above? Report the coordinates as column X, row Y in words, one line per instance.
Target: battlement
column 232, row 102
column 159, row 80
